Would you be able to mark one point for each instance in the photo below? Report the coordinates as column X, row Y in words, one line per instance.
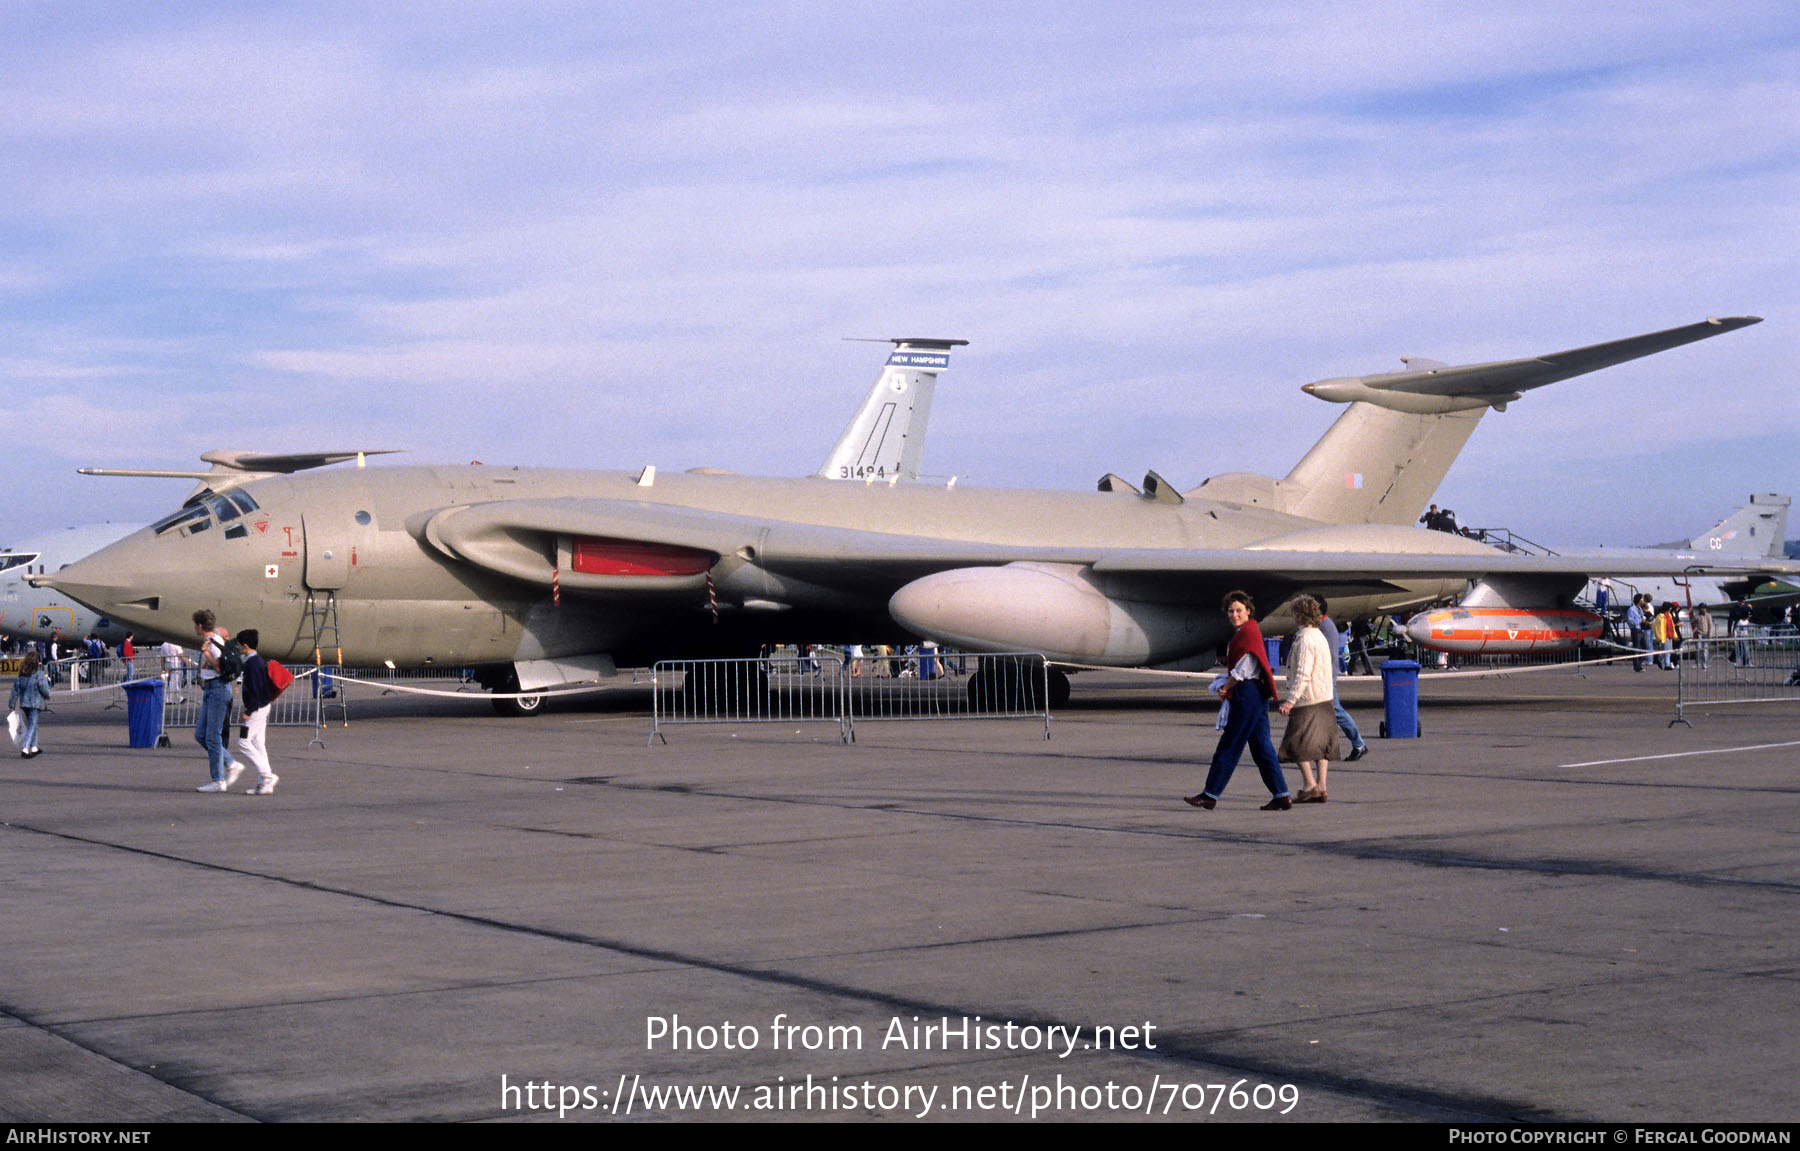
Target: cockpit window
column 231, row 505
column 199, row 515
column 181, row 518
column 17, row 559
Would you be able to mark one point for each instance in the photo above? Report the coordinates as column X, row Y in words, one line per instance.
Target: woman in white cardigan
column 1311, row 736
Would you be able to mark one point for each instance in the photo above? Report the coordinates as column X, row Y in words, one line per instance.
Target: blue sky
column 610, row 236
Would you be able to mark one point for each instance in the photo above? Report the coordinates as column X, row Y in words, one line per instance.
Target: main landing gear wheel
column 522, row 705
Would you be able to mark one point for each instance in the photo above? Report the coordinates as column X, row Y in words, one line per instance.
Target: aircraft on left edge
column 31, row 613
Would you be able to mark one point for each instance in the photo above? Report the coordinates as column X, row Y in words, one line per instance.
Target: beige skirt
column 1311, row 735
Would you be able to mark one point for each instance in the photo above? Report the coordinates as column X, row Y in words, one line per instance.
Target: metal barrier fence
column 1751, row 668
column 305, row 703
column 835, row 689
column 79, row 675
column 82, row 672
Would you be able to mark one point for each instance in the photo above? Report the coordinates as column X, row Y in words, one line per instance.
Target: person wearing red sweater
column 1248, row 687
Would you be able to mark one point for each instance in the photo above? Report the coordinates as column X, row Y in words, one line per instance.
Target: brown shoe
column 1279, row 803
column 1311, row 795
column 1202, row 801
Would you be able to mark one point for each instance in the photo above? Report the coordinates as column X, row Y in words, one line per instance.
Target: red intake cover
column 596, row 555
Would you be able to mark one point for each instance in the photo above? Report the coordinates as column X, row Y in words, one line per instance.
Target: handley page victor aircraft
column 538, row 576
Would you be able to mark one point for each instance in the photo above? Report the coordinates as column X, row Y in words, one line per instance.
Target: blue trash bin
column 143, row 711
column 1272, row 644
column 1400, row 699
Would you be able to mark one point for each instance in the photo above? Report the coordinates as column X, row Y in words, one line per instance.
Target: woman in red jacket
column 1248, row 686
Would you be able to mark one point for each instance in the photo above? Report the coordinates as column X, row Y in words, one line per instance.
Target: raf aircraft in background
column 1756, row 530
column 1482, row 623
column 537, row 576
column 34, row 613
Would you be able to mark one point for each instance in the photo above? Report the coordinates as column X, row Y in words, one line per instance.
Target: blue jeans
column 1346, row 724
column 28, row 728
column 209, row 727
column 1246, row 725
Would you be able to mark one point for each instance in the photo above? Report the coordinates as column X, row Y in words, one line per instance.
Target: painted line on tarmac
column 1683, row 754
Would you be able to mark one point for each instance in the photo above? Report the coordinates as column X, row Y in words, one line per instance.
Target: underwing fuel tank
column 1063, row 611
column 1503, row 631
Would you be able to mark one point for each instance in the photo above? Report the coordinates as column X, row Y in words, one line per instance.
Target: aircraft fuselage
column 383, row 543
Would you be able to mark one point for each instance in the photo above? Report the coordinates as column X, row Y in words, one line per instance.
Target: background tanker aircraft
column 1481, row 623
column 1759, row 528
column 540, row 576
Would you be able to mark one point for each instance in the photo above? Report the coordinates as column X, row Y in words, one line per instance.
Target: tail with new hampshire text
column 886, row 439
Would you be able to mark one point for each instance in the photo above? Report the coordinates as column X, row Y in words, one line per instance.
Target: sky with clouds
column 612, row 235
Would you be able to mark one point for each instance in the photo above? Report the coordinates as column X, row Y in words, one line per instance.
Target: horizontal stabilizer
column 1386, row 454
column 1434, row 389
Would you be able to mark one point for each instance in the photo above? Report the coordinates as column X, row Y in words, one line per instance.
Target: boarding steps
column 328, row 650
column 1507, row 540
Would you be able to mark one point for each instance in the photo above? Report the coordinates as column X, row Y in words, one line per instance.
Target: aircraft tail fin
column 1376, row 465
column 1385, row 456
column 887, row 436
column 1759, row 528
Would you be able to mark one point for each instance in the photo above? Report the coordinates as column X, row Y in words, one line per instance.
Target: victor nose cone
column 127, row 580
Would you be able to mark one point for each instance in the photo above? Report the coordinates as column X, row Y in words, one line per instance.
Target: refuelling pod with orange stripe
column 1503, row 631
